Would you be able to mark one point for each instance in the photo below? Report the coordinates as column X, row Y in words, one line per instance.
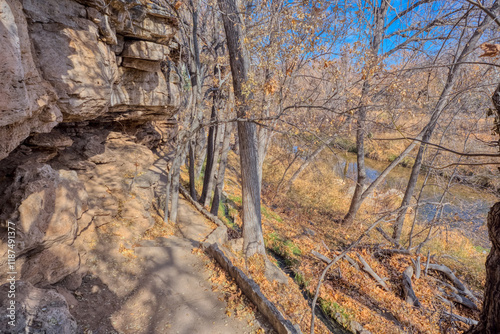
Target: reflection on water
column 463, row 203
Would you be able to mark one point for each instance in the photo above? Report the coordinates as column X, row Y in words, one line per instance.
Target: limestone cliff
column 81, row 83
column 71, row 61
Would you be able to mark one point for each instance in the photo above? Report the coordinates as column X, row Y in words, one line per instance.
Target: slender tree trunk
column 167, row 195
column 219, row 133
column 176, row 169
column 375, row 44
column 361, row 171
column 489, row 322
column 210, row 154
column 192, row 188
column 264, row 137
column 200, row 152
column 222, row 170
column 253, row 241
column 438, row 109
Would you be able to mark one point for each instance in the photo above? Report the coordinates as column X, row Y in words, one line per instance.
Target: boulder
column 50, row 265
column 45, row 205
column 36, row 311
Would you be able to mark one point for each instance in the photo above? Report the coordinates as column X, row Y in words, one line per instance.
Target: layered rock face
column 81, row 83
column 71, row 61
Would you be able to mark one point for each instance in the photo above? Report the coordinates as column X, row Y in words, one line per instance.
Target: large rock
column 51, row 265
column 50, row 204
column 36, row 311
column 144, row 95
column 80, row 67
column 27, row 102
column 60, row 63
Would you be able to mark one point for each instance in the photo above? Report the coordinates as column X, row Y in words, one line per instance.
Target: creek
column 465, row 207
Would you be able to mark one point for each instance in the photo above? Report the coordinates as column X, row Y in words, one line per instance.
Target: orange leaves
column 178, row 5
column 490, row 50
column 271, row 86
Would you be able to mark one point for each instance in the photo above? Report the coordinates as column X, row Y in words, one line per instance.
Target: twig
column 324, row 244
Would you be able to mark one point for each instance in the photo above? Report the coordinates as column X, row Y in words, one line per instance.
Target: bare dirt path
column 163, row 286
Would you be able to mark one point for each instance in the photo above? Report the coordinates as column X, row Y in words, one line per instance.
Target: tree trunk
column 192, row 188
column 361, row 171
column 222, row 170
column 176, row 169
column 489, row 322
column 210, row 154
column 253, row 241
column 200, row 151
column 375, row 43
column 219, row 133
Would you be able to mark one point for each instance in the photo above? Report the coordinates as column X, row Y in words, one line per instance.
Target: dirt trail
column 162, row 287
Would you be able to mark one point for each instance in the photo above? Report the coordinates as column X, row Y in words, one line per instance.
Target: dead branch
column 328, row 260
column 446, row 301
column 465, row 320
column 409, row 294
column 369, row 270
column 427, row 263
column 351, row 261
column 393, row 251
column 418, row 270
column 324, row 244
column 388, row 237
column 321, row 257
column 462, row 300
column 451, row 276
column 449, row 286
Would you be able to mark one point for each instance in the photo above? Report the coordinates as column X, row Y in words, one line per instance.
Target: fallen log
column 409, row 294
column 451, row 276
column 465, row 320
column 369, row 270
